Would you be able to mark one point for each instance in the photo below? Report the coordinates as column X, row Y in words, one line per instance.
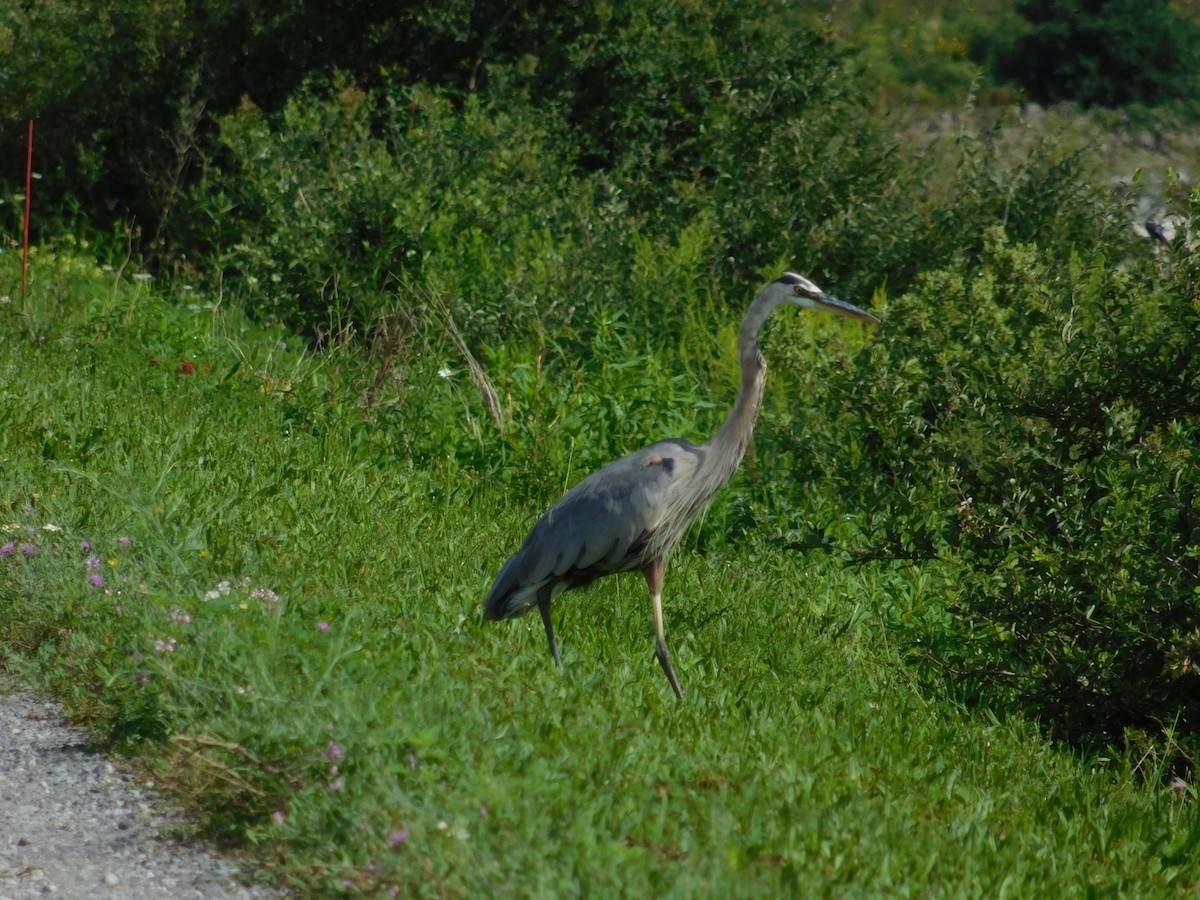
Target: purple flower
column 29, row 549
column 333, row 751
column 92, row 562
column 85, row 546
column 322, row 626
column 279, row 816
column 97, row 580
column 399, row 838
column 124, row 541
column 1178, row 784
column 7, row 549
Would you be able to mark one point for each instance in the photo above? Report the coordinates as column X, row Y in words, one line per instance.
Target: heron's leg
column 544, row 598
column 654, row 580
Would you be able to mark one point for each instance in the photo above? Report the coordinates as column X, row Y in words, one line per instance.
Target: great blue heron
column 631, row 514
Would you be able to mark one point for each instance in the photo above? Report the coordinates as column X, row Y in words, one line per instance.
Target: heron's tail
column 508, row 596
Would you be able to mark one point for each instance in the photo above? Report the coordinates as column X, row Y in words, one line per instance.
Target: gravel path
column 74, row 825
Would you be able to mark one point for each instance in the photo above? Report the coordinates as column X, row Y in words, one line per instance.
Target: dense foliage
column 352, row 204
column 1031, row 421
column 1105, row 53
column 127, row 97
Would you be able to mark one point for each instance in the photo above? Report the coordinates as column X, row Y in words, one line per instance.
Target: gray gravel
column 74, row 825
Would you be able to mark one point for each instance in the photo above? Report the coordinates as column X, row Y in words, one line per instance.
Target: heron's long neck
column 730, row 442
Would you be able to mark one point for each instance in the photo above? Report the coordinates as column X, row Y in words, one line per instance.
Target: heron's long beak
column 842, row 308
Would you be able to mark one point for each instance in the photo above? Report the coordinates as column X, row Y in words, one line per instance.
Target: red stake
column 28, row 197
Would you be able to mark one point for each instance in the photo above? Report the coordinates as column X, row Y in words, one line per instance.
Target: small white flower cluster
column 460, row 832
column 268, row 597
column 221, row 590
column 165, row 645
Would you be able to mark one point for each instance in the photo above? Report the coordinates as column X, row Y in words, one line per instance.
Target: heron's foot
column 664, row 657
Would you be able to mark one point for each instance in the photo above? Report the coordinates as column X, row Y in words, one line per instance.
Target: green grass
column 332, row 700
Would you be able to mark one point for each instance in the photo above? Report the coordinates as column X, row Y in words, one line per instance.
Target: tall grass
column 277, row 609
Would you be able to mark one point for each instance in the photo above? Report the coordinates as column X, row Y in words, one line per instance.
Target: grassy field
column 219, row 557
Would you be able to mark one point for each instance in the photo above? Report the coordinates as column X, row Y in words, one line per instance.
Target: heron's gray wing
column 601, row 525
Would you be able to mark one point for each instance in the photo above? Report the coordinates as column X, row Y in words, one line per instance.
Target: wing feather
column 601, row 525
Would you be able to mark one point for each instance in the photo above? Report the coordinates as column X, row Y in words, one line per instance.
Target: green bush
column 128, row 102
column 127, row 97
column 1107, row 54
column 346, row 210
column 1030, row 423
column 351, row 205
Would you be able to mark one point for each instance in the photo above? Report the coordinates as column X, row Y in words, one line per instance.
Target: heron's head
column 799, row 291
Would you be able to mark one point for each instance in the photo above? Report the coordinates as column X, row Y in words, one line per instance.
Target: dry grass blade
column 478, row 375
column 196, row 752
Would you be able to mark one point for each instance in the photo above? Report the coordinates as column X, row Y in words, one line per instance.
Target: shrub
column 127, row 97
column 351, row 202
column 1030, row 420
column 676, row 125
column 1107, row 54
